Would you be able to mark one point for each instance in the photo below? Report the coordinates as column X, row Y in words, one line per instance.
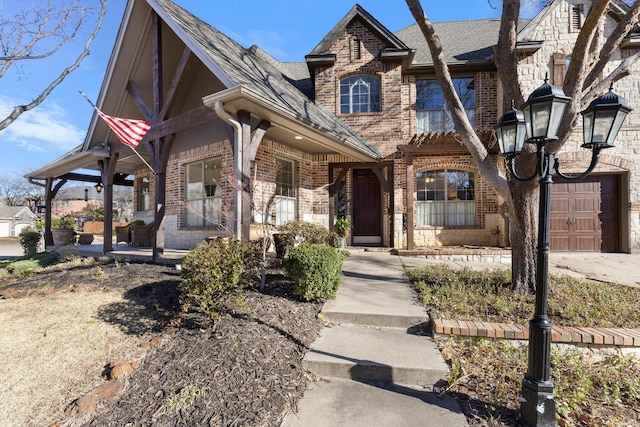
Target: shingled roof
column 262, row 74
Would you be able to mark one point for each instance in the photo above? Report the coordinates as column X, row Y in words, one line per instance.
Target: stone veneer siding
column 624, row 158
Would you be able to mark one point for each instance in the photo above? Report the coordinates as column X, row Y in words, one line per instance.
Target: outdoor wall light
column 540, row 120
column 99, row 187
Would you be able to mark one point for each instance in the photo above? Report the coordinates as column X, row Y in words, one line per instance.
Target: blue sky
column 287, row 30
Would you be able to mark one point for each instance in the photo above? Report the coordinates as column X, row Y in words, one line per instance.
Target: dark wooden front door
column 367, row 207
column 585, row 214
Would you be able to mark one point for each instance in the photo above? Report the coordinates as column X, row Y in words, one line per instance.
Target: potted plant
column 285, row 238
column 62, row 230
column 342, row 227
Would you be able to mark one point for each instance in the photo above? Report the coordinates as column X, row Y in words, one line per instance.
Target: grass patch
column 24, row 266
column 590, row 389
column 488, row 296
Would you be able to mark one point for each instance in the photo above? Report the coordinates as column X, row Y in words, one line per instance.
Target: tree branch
column 486, row 165
column 19, row 109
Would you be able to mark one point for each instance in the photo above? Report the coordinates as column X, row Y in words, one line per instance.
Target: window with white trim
column 285, row 191
column 203, row 195
column 432, row 114
column 360, row 94
column 445, row 198
column 143, row 194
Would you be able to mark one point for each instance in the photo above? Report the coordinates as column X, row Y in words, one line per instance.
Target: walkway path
column 376, row 367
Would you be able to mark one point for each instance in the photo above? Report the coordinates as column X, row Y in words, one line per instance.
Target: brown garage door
column 585, row 214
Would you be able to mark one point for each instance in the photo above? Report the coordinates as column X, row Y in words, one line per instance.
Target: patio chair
column 142, row 235
column 123, row 234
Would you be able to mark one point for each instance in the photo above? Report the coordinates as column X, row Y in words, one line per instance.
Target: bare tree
column 40, row 31
column 12, row 191
column 581, row 84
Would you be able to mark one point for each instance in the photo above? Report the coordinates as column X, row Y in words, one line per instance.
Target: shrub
column 214, row 273
column 29, row 239
column 65, row 223
column 299, row 232
column 316, row 271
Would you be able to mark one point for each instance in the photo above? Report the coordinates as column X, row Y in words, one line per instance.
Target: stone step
column 366, row 353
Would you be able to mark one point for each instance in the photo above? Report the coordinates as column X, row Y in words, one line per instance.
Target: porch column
column 409, row 200
column 107, row 170
column 251, row 140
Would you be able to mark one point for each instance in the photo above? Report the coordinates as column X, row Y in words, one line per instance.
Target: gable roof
column 369, row 21
column 9, row 212
column 253, row 74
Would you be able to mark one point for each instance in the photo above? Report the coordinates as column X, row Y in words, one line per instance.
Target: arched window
column 445, row 198
column 360, row 94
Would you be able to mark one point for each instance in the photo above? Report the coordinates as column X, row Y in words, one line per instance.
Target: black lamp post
column 541, row 117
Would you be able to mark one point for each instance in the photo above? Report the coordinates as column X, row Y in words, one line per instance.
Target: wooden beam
column 135, row 94
column 256, row 138
column 156, row 57
column 182, row 122
column 118, row 179
column 107, row 169
column 176, row 84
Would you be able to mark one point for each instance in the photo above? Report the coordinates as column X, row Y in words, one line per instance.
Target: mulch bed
column 242, row 369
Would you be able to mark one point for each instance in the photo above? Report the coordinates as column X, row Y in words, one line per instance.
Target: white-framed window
column 203, row 195
column 360, row 94
column 143, row 194
column 445, row 198
column 432, row 114
column 285, row 191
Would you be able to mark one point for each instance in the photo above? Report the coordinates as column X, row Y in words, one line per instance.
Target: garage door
column 5, row 229
column 585, row 214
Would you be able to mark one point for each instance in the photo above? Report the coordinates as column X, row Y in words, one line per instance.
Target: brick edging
column 560, row 334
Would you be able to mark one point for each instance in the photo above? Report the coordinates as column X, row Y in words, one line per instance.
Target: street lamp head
column 543, row 111
column 602, row 120
column 511, row 132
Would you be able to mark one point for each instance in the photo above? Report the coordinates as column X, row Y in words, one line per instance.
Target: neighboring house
column 13, row 219
column 72, row 201
column 359, row 129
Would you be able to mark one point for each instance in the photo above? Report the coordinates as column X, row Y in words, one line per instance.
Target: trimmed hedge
column 316, row 270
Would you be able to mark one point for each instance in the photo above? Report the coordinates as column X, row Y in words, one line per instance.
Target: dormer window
column 360, row 94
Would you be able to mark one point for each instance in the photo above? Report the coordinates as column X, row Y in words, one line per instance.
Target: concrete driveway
column 9, row 250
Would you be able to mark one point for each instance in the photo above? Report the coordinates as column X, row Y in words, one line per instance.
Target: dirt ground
column 61, row 328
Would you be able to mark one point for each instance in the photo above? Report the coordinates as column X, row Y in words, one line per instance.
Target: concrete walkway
column 377, row 368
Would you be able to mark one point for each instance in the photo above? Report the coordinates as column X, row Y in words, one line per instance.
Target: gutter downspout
column 237, row 151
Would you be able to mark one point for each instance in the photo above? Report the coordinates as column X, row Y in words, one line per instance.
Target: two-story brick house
column 359, row 129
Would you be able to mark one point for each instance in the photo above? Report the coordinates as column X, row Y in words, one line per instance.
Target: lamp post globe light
column 540, row 120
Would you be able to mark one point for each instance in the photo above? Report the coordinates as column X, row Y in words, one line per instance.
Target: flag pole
column 134, row 150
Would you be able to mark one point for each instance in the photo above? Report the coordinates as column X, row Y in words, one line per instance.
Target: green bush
column 29, row 239
column 214, row 273
column 316, row 271
column 294, row 232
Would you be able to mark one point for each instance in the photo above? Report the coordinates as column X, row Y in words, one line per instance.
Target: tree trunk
column 523, row 233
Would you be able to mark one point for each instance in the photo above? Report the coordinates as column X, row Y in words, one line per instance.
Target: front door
column 367, row 208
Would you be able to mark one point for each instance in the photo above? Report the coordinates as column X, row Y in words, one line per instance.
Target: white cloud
column 43, row 129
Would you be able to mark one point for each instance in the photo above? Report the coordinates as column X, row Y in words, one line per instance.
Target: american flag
column 129, row 131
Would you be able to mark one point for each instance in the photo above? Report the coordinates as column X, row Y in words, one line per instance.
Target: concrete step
column 366, row 353
column 356, row 404
column 390, row 320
